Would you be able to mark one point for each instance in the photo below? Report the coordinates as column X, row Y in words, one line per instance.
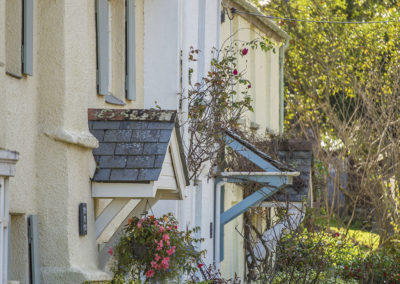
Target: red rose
column 244, row 51
column 235, row 72
column 248, row 86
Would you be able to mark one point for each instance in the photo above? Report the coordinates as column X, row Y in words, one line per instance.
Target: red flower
column 110, row 251
column 244, row 51
column 248, row 86
column 152, row 217
column 200, row 265
column 150, row 273
column 235, row 72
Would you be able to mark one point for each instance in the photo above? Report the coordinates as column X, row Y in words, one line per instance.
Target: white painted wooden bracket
column 108, row 214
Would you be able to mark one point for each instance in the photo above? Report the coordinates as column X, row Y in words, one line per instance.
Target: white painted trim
column 290, row 174
column 123, row 190
column 177, row 163
column 163, row 183
column 270, row 204
column 169, row 195
column 108, row 214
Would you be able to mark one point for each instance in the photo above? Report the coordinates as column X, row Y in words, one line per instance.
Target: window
column 110, row 55
column 19, row 37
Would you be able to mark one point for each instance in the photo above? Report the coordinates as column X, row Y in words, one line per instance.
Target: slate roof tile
column 149, row 174
column 132, row 143
column 102, row 175
column 155, row 148
column 159, row 161
column 117, row 135
column 165, row 135
column 112, row 162
column 104, row 149
column 146, row 135
column 129, row 149
column 119, row 175
column 138, row 162
column 106, row 125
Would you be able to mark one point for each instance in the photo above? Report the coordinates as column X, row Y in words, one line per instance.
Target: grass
column 366, row 239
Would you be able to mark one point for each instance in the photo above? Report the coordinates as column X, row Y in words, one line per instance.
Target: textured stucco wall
column 262, row 70
column 41, row 116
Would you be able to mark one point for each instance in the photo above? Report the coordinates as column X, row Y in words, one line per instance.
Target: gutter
column 282, row 50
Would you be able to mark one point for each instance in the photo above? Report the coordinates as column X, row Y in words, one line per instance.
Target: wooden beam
column 248, row 202
column 123, row 190
column 249, row 154
column 108, row 214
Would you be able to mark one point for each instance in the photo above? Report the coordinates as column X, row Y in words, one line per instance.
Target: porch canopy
column 140, row 156
column 273, row 175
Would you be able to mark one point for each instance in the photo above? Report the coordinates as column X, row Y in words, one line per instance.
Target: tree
column 342, row 88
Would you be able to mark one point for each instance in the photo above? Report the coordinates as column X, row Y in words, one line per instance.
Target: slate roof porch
column 140, row 156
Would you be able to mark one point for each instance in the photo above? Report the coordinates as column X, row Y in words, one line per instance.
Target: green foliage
column 334, row 64
column 381, row 266
column 155, row 248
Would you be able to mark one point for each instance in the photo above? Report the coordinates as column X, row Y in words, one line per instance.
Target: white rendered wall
column 162, row 45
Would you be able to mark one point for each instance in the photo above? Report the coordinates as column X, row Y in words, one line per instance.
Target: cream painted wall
column 44, row 118
column 262, row 70
column 234, row 261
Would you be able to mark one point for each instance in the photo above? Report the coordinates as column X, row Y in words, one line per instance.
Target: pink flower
column 157, row 258
column 235, row 72
column 165, row 237
column 150, row 273
column 171, row 250
column 165, row 262
column 168, row 243
column 159, row 245
column 139, row 224
column 156, row 223
column 154, row 264
column 110, row 251
column 162, row 229
column 244, row 51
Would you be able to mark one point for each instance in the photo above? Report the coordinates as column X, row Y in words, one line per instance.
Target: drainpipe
column 217, row 220
column 281, row 85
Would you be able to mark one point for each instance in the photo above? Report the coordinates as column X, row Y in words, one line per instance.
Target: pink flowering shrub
column 155, row 248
